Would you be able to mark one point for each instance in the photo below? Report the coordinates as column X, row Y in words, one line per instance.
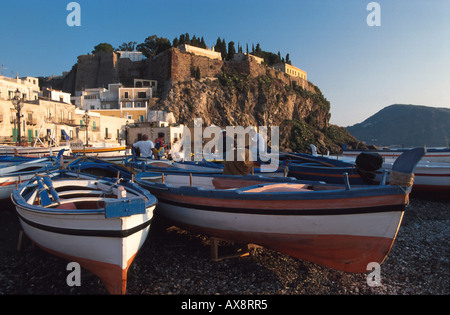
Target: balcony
column 32, row 122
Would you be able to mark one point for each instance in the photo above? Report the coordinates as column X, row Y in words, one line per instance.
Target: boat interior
column 254, row 183
column 76, row 194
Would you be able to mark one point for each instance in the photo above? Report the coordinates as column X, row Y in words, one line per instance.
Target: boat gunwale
column 240, row 193
column 19, row 200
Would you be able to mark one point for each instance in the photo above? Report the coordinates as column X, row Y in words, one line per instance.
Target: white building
column 201, row 51
column 28, row 87
column 98, row 98
column 55, row 95
column 132, row 55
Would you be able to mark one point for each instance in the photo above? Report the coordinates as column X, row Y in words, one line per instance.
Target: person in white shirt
column 146, row 147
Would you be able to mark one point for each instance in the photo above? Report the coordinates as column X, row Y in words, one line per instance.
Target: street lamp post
column 127, row 126
column 16, row 101
column 86, row 119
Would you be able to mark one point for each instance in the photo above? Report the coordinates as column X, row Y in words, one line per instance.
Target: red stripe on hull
column 341, row 252
column 113, row 276
column 365, row 201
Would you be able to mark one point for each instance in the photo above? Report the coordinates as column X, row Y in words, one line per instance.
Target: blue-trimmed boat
column 100, row 167
column 101, row 223
column 192, row 167
column 439, row 155
column 342, row 227
column 313, row 167
column 22, row 169
column 431, row 181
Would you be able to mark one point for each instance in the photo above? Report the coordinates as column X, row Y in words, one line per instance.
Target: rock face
column 236, row 100
column 224, row 93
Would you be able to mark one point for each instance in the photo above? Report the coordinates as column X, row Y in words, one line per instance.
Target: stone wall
column 184, row 65
column 168, row 67
column 96, row 71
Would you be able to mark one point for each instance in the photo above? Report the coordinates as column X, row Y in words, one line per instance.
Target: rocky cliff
column 233, row 99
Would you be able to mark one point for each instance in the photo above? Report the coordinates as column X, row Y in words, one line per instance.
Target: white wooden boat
column 99, row 223
column 13, row 174
column 440, row 155
column 342, row 227
column 32, row 151
column 431, row 181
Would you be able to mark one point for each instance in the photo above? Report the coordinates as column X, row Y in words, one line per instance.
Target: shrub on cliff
column 103, row 48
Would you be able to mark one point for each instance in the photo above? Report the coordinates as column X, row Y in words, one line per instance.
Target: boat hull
column 106, row 247
column 99, row 223
column 344, row 233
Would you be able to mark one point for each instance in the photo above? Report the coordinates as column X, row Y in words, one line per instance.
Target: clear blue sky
column 360, row 69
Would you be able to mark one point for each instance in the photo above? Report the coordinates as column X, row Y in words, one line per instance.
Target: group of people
column 236, row 166
column 151, row 150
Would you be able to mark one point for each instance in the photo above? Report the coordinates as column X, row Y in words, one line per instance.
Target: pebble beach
column 174, row 261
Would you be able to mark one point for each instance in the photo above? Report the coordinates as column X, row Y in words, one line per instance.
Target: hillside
column 407, row 125
column 224, row 93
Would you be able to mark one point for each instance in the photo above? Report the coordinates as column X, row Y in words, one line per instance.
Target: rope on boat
column 401, row 179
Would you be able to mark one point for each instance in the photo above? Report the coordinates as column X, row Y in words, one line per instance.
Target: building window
column 125, row 94
column 128, row 104
column 141, row 118
column 142, row 94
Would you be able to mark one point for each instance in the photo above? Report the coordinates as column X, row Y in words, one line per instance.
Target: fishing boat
column 18, row 170
column 32, row 151
column 342, row 227
column 432, row 179
column 312, row 167
column 100, row 167
column 194, row 167
column 440, row 155
column 101, row 223
column 100, row 149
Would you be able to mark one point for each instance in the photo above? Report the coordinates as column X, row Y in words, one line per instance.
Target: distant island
column 405, row 125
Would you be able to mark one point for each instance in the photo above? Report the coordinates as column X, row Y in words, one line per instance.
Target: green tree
column 231, row 51
column 202, row 43
column 127, row 46
column 221, row 47
column 288, row 61
column 103, row 48
column 153, row 45
column 258, row 51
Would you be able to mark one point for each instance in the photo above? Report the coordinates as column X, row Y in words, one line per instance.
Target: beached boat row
column 101, row 221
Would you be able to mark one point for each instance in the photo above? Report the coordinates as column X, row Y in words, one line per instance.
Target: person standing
column 160, row 146
column 146, row 147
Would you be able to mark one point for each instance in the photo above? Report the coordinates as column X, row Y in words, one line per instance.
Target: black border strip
column 80, row 232
column 288, row 212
